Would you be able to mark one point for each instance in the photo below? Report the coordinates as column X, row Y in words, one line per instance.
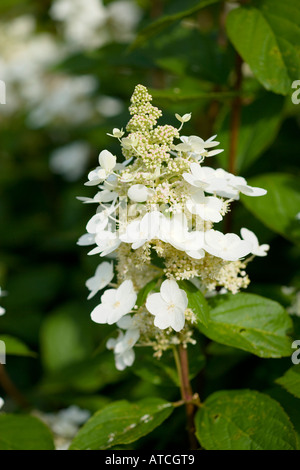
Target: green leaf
column 163, row 22
column 23, row 432
column 121, row 423
column 267, row 36
column 291, row 381
column 208, row 61
column 290, row 405
column 260, row 122
column 177, row 94
column 8, row 5
column 143, row 293
column 251, row 323
column 16, row 347
column 197, row 301
column 244, row 420
column 279, row 207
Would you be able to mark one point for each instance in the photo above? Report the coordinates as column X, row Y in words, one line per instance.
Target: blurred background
column 70, row 67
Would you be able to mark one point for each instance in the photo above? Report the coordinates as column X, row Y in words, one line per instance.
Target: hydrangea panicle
column 162, row 203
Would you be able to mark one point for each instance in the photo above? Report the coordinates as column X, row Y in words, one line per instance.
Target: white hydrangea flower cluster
column 64, row 424
column 90, row 24
column 70, row 161
column 156, row 213
column 293, row 295
column 27, row 61
column 2, row 310
column 27, row 56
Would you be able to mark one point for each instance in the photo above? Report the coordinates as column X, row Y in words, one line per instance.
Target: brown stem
column 11, row 390
column 222, row 40
column 158, row 75
column 222, row 36
column 156, row 9
column 235, row 121
column 187, row 396
column 235, row 117
column 212, row 114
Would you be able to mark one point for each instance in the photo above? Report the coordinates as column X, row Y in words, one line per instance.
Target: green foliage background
column 189, row 54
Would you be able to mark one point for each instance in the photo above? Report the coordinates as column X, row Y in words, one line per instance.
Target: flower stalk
column 11, row 390
column 190, row 400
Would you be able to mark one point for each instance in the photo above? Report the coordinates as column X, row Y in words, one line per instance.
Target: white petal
column 211, row 138
column 132, row 233
column 208, row 208
column 139, row 243
column 262, row 250
column 196, row 170
column 120, row 364
column 101, row 313
column 128, row 357
column 251, row 191
column 162, row 320
column 177, row 319
column 97, row 223
column 130, row 338
column 249, row 236
column 191, row 179
column 107, row 160
column 125, row 322
column 138, row 193
column 126, row 295
column 169, row 290
column 150, row 224
column 172, row 294
column 111, row 343
column 104, row 270
column 86, row 240
column 111, row 248
column 109, row 296
column 156, row 304
column 94, row 251
column 106, row 195
column 103, row 276
column 212, row 153
column 196, row 254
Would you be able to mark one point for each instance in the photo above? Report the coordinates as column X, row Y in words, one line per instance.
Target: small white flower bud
column 117, row 133
column 184, row 118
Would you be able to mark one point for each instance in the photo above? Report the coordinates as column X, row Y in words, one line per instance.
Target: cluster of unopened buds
column 155, row 215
